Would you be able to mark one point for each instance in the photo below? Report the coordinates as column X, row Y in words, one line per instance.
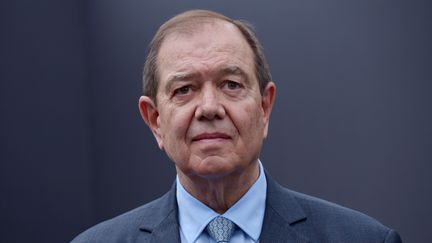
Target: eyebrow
column 229, row 70
column 232, row 70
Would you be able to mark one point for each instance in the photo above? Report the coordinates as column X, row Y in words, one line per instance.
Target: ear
column 268, row 98
column 150, row 115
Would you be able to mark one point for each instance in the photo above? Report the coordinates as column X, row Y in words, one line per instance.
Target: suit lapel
column 168, row 231
column 161, row 225
column 282, row 213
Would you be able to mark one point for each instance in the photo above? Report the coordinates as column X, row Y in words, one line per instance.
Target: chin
column 212, row 167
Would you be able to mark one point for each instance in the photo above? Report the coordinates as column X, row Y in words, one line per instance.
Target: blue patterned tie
column 220, row 229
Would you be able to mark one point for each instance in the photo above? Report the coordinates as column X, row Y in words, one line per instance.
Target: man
column 207, row 99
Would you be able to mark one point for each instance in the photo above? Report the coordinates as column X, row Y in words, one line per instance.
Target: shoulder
column 322, row 210
column 319, row 220
column 333, row 222
column 126, row 227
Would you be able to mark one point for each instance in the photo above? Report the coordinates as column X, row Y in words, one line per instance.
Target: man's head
column 211, row 114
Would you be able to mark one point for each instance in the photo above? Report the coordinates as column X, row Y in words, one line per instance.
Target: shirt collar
column 247, row 213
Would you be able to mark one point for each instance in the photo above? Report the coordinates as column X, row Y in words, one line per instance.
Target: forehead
column 208, row 44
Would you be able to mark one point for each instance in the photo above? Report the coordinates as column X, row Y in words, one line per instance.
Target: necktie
column 220, row 229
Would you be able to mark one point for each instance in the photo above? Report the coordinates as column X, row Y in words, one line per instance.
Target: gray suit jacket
column 289, row 217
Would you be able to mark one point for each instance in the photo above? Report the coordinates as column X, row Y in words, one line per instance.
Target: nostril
column 205, row 113
column 209, row 111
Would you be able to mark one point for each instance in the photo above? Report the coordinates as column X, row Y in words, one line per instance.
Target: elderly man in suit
column 208, row 95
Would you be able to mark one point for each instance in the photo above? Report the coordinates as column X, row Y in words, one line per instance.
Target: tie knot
column 220, row 229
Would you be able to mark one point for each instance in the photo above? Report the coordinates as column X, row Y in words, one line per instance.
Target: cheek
column 252, row 118
column 249, row 124
column 175, row 123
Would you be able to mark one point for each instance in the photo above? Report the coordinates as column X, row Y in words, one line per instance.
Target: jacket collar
column 282, row 213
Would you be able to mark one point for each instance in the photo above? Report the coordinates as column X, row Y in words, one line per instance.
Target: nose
column 209, row 105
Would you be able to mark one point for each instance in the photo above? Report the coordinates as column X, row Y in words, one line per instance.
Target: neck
column 220, row 193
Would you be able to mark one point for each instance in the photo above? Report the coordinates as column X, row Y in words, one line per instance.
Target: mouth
column 210, row 137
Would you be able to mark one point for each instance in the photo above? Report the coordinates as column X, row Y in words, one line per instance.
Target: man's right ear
column 150, row 115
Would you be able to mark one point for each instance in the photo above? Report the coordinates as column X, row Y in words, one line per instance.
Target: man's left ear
column 268, row 98
column 150, row 115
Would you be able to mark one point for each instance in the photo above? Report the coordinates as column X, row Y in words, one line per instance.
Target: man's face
column 210, row 116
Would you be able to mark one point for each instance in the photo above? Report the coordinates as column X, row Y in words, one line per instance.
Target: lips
column 209, row 136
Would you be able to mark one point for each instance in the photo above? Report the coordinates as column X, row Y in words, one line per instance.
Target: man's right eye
column 182, row 90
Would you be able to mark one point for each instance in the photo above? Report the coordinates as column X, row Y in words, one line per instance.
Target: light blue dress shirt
column 247, row 214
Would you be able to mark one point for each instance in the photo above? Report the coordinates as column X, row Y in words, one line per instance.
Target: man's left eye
column 231, row 84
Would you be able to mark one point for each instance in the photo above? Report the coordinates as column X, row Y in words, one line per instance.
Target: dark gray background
column 351, row 124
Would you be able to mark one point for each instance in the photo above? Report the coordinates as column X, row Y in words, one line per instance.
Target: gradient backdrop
column 352, row 121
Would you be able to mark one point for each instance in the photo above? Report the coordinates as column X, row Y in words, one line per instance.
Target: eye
column 183, row 90
column 231, row 85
